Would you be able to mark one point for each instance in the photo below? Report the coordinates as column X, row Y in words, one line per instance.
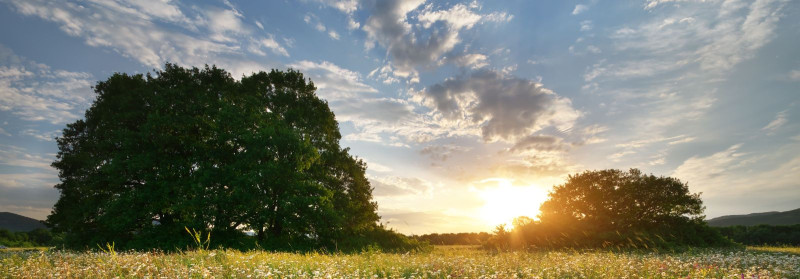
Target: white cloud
column 666, row 72
column 223, row 23
column 400, row 186
column 40, row 135
column 472, row 60
column 646, row 144
column 735, row 181
column 20, row 157
column 352, row 24
column 410, row 46
column 586, row 25
column 384, row 74
column 711, row 37
column 269, row 42
column 35, row 92
column 774, row 125
column 682, row 140
column 373, row 166
column 458, row 17
column 345, row 6
column 314, row 21
column 374, row 117
column 654, row 3
column 331, row 80
column 579, row 9
column 697, row 169
column 333, row 35
column 151, row 32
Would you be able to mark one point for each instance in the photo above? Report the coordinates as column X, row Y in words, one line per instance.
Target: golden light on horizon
column 506, row 201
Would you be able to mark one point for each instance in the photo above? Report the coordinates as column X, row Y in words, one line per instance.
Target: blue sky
column 467, row 112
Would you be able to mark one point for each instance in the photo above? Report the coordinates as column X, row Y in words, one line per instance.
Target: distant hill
column 791, row 217
column 18, row 223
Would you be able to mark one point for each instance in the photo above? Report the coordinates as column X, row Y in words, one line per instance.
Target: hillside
column 18, row 223
column 768, row 218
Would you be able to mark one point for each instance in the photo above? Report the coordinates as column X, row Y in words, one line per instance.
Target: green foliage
column 194, row 148
column 614, row 209
column 763, row 234
column 34, row 238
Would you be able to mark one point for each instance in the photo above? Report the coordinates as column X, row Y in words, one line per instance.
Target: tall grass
column 463, row 262
column 197, row 238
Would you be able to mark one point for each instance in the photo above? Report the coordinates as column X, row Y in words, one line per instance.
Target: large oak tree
column 195, row 148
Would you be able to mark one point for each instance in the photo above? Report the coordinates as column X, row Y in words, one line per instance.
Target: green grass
column 442, row 262
column 776, row 249
column 22, row 249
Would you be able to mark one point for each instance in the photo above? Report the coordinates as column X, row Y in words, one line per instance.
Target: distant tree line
column 34, row 238
column 763, row 234
column 157, row 155
column 454, row 238
column 613, row 209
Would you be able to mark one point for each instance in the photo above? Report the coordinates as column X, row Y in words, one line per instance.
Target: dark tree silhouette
column 613, row 200
column 617, row 208
column 194, row 148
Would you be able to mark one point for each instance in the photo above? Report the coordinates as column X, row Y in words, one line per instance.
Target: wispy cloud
column 333, row 81
column 736, row 181
column 580, row 8
column 153, row 36
column 777, row 123
column 36, row 92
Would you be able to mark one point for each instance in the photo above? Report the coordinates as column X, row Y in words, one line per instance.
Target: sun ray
column 506, row 201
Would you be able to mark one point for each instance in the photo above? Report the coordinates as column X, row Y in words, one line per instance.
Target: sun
column 506, row 201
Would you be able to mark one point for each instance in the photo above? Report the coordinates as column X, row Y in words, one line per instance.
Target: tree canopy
column 195, row 148
column 615, row 208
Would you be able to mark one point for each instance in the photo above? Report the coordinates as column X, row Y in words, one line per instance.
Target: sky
column 466, row 112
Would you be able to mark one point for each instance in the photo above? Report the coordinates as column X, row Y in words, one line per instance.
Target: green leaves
column 195, row 148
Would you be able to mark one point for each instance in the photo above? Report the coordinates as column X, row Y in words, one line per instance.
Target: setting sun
column 506, row 201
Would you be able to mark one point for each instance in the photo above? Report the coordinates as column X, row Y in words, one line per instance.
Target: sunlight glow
column 505, row 202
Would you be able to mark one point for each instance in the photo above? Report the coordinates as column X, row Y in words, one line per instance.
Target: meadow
column 442, row 262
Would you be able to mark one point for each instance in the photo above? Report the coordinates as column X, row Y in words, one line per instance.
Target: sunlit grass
column 453, row 262
column 776, row 249
column 22, row 249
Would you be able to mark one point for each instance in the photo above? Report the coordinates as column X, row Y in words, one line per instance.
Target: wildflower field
column 442, row 262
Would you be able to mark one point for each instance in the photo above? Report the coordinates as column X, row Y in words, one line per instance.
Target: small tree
column 614, row 200
column 617, row 208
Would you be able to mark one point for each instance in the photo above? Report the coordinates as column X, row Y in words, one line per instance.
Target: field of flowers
column 458, row 262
